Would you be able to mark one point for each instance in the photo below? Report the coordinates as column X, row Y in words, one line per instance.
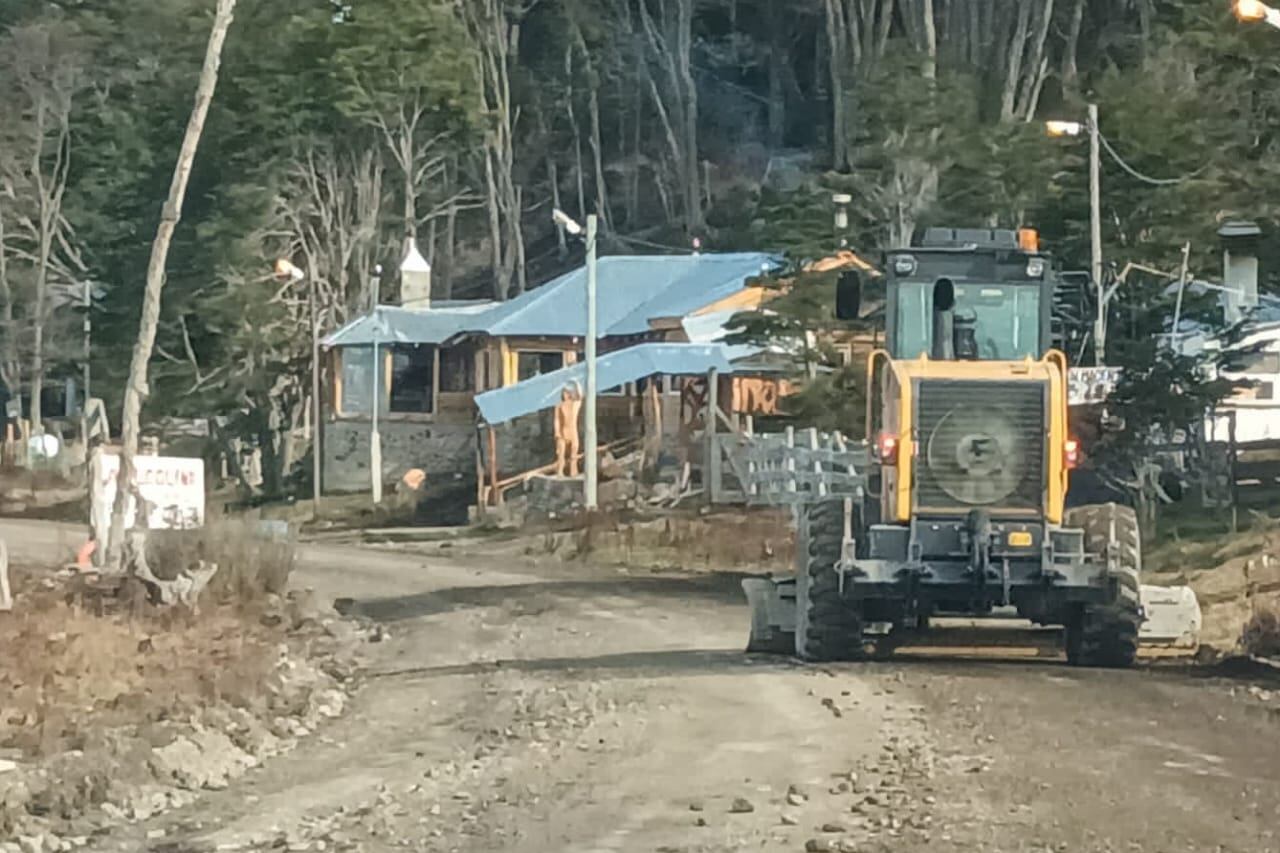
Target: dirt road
column 525, row 710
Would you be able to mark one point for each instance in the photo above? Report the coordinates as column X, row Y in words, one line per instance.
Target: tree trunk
column 835, row 63
column 1037, row 65
column 692, row 176
column 501, row 285
column 597, row 154
column 1013, row 65
column 777, row 100
column 9, row 367
column 553, row 178
column 574, row 131
column 444, row 274
column 1070, row 69
column 410, row 202
column 136, row 388
column 448, row 252
column 633, row 178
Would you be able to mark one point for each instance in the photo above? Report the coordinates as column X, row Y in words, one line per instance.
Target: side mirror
column 848, row 295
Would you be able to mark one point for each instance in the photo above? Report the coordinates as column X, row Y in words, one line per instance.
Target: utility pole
column 317, row 429
column 88, row 331
column 1095, row 238
column 375, row 438
column 590, row 459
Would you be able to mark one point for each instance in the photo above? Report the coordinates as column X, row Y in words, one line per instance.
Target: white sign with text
column 1088, row 385
column 172, row 487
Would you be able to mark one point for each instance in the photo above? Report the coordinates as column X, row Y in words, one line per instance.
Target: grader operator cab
column 963, row 510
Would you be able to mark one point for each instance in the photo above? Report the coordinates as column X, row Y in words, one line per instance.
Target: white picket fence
column 788, row 468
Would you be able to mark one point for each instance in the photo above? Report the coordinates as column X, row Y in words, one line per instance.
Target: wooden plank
column 480, row 491
column 713, row 470
column 790, row 463
column 493, row 467
column 435, row 379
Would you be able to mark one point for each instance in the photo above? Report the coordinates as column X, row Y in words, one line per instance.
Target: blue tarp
column 631, row 291
column 615, row 368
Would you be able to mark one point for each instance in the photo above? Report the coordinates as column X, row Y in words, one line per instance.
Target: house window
column 412, row 378
column 535, row 363
column 357, row 380
column 457, row 369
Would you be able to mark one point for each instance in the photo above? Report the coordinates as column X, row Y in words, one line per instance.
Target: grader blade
column 1172, row 624
column 1171, row 629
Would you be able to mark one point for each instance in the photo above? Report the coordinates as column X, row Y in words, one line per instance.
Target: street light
column 1256, row 10
column 286, row 270
column 589, row 461
column 1075, row 128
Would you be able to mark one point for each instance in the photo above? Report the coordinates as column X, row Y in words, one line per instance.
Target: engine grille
column 980, row 444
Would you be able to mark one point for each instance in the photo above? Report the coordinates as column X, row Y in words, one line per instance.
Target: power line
column 1158, row 182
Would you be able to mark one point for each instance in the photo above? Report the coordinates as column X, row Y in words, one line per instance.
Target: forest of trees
column 340, row 129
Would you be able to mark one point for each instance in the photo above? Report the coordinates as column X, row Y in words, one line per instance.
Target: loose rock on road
column 548, row 710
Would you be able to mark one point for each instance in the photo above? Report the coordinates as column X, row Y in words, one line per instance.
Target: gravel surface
column 509, row 707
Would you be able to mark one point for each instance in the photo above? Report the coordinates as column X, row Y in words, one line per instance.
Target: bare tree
column 329, row 206
column 857, row 32
column 136, row 388
column 495, row 31
column 669, row 40
column 46, row 63
column 10, row 368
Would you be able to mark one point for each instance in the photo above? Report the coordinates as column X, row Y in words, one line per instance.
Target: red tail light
column 1071, row 453
column 887, row 447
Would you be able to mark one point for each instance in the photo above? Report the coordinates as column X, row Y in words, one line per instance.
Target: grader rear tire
column 828, row 627
column 1106, row 635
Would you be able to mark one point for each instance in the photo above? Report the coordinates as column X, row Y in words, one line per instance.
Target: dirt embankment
column 1237, row 581
column 116, row 709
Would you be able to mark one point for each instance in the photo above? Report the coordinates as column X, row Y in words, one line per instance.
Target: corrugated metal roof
column 615, row 368
column 631, row 290
column 433, row 325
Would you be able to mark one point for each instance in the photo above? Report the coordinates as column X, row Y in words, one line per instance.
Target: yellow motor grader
column 960, row 516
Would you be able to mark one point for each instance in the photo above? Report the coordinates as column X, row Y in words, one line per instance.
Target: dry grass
column 250, row 566
column 1261, row 635
column 67, row 671
column 90, row 655
column 752, row 539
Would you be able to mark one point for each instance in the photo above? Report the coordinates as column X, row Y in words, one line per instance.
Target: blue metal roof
column 631, row 291
column 391, row 324
column 615, row 368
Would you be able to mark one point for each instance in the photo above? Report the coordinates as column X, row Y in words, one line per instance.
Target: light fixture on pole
column 285, row 269
column 842, row 202
column 1075, row 128
column 570, row 226
column 590, row 461
column 1256, row 10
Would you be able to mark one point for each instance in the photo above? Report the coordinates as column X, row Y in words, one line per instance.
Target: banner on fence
column 172, row 487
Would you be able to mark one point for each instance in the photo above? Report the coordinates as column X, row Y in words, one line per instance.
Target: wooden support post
column 819, row 487
column 791, row 459
column 711, row 471
column 480, row 493
column 495, row 497
column 435, row 378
